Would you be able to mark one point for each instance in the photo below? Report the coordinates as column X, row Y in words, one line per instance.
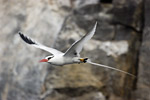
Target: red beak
column 44, row 60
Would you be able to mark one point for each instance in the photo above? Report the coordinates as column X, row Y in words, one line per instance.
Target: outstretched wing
column 77, row 46
column 38, row 45
column 88, row 61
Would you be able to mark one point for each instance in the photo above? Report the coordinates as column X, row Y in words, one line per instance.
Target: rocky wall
column 121, row 40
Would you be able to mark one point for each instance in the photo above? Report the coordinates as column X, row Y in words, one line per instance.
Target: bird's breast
column 60, row 60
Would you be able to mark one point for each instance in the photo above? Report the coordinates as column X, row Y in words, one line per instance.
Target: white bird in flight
column 71, row 56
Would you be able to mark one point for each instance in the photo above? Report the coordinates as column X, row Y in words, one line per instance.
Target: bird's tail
column 105, row 66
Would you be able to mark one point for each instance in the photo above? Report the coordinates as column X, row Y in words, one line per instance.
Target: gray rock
column 142, row 91
column 58, row 24
column 21, row 76
column 82, row 3
column 128, row 13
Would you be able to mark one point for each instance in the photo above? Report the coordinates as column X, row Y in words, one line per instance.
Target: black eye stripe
column 49, row 58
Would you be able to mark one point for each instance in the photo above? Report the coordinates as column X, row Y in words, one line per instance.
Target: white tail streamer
column 105, row 66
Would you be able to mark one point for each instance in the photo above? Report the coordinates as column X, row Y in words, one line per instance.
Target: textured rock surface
column 143, row 82
column 58, row 23
column 20, row 77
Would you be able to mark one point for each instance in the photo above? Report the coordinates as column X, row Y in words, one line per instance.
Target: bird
column 71, row 56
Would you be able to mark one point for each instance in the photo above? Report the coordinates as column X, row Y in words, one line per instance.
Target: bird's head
column 47, row 59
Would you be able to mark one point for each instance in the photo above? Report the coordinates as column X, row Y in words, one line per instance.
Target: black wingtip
column 26, row 39
column 19, row 33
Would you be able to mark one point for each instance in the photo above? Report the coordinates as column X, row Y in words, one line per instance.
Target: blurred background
column 122, row 40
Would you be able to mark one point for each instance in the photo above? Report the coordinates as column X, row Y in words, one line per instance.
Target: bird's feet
column 84, row 60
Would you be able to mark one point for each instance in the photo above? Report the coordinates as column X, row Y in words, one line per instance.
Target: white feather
column 77, row 46
column 88, row 61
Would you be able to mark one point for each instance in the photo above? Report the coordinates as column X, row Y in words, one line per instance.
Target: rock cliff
column 121, row 40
